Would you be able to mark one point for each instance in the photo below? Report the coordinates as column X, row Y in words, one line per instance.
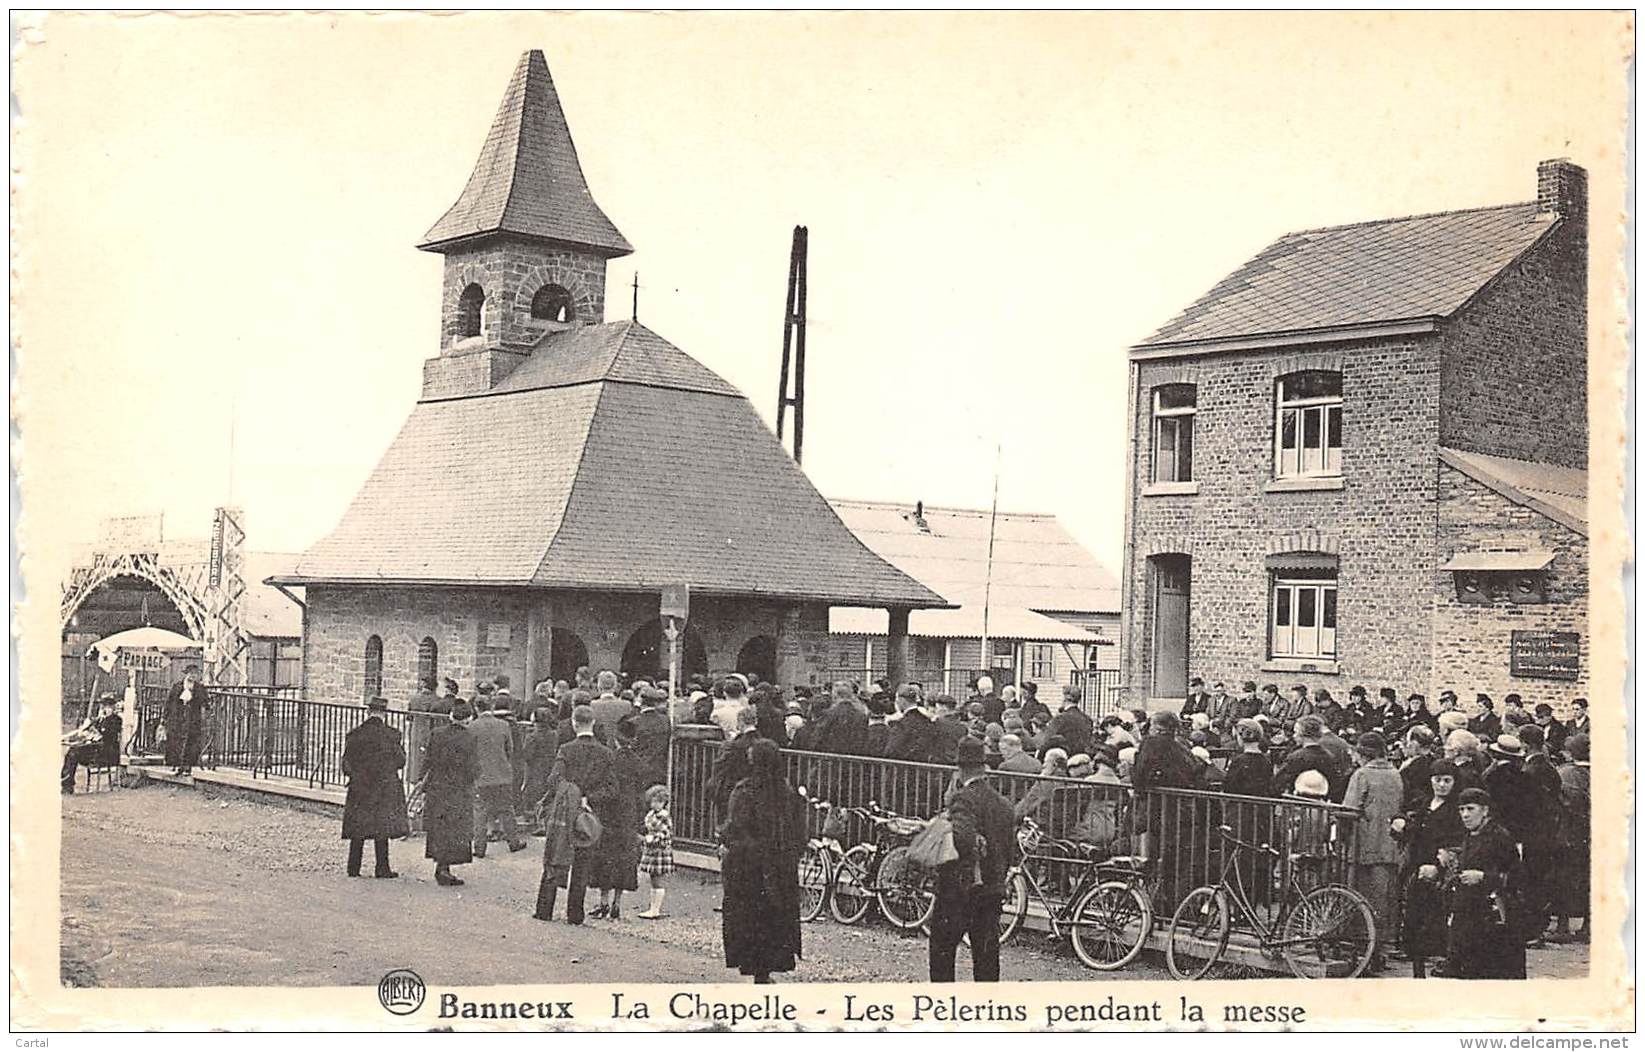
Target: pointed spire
column 528, row 180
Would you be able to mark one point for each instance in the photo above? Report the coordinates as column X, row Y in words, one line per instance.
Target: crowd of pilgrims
column 1472, row 832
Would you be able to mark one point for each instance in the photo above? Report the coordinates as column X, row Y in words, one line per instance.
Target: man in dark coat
column 947, row 730
column 770, row 717
column 731, row 765
column 992, row 706
column 1164, row 762
column 98, row 742
column 185, row 721
column 588, row 765
column 909, row 738
column 1071, row 724
column 375, row 808
column 1554, row 733
column 969, row 890
column 843, row 730
column 651, row 734
column 1032, row 705
column 1197, row 701
column 1311, row 755
column 448, row 795
column 1579, row 722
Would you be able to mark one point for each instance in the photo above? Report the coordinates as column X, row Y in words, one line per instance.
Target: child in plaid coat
column 657, row 848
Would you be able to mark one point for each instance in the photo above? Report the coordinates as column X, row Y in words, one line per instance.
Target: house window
column 1174, row 406
column 1303, row 618
column 374, row 667
column 1308, row 426
column 1038, row 657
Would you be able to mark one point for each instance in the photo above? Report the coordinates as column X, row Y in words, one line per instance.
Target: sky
column 218, row 298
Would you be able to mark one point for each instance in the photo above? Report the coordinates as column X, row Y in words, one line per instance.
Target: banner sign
column 676, row 601
column 216, row 561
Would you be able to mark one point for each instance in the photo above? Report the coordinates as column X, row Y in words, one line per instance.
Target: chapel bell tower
column 525, row 245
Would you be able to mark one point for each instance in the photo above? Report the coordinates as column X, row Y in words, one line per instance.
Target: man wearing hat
column 494, row 794
column 590, row 766
column 94, row 742
column 1486, row 937
column 969, row 890
column 448, row 790
column 1510, row 788
column 1197, row 700
column 375, row 807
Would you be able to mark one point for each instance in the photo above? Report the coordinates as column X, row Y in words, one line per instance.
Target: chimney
column 1562, row 190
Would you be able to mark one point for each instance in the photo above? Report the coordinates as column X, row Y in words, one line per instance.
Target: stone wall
column 511, row 271
column 1380, row 522
column 1472, row 642
column 483, row 631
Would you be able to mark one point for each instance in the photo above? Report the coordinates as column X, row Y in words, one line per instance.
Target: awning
column 1499, row 561
column 1004, row 622
column 1302, row 561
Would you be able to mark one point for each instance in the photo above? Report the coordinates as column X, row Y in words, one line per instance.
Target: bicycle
column 1107, row 914
column 850, row 881
column 1326, row 932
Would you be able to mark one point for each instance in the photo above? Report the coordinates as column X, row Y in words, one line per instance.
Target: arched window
column 469, row 305
column 759, row 657
column 428, row 659
column 552, row 303
column 374, row 667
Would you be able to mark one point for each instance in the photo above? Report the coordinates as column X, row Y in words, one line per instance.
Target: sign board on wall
column 676, row 601
column 1545, row 655
column 497, row 635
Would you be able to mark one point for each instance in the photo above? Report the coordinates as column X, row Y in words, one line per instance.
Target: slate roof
column 1417, row 267
column 1038, row 565
column 609, row 460
column 528, row 180
column 1559, row 492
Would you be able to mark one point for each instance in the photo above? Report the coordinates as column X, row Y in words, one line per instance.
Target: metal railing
column 268, row 735
column 1178, row 827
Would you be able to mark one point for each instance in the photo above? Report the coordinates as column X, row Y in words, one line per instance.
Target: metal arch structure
column 210, row 595
column 173, row 582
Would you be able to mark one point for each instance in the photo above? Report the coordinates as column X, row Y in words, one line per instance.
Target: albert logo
column 401, row 991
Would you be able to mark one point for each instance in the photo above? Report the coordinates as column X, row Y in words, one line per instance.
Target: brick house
column 1053, row 609
column 559, row 472
column 1361, row 459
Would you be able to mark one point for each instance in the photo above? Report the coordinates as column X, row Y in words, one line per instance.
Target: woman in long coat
column 763, row 836
column 1433, row 836
column 617, row 862
column 1487, row 908
column 184, row 720
column 448, row 795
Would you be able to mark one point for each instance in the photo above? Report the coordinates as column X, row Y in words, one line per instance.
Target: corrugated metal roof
column 1004, row 622
column 528, row 180
column 1553, row 489
column 1037, row 564
column 1361, row 274
column 641, row 469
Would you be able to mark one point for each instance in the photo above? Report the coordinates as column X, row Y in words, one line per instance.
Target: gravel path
column 171, row 887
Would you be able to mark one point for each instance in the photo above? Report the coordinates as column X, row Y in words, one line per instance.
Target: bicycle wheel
column 850, row 898
column 1199, row 933
column 1330, row 935
column 907, row 892
column 1014, row 908
column 1111, row 922
column 815, row 875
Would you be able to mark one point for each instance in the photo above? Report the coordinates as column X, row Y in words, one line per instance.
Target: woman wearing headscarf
column 763, row 835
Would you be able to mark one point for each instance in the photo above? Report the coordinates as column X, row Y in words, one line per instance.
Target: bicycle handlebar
column 1228, row 835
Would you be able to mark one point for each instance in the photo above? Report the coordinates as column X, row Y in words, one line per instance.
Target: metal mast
column 794, row 341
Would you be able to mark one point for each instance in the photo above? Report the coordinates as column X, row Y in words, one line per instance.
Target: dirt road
column 170, row 887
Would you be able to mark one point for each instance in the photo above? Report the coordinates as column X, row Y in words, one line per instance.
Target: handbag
column 585, row 828
column 933, row 846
